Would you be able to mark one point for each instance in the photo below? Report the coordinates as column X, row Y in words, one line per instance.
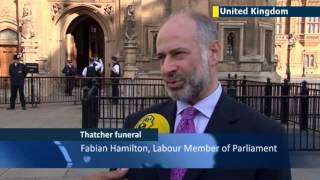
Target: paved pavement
column 69, row 116
column 44, row 116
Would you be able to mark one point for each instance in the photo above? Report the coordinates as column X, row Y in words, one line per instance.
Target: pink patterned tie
column 186, row 125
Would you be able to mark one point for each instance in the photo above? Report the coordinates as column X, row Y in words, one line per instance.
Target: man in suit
column 17, row 73
column 188, row 60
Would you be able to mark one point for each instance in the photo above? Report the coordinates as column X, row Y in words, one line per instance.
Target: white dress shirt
column 99, row 61
column 116, row 69
column 205, row 109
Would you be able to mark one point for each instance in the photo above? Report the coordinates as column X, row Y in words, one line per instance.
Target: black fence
column 295, row 106
column 53, row 89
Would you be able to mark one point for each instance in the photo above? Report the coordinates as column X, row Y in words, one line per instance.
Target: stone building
column 300, row 56
column 53, row 31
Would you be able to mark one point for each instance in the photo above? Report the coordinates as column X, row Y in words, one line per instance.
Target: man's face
column 184, row 68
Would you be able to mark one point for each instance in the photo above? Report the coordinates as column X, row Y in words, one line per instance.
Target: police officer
column 98, row 60
column 17, row 73
column 115, row 75
column 70, row 71
column 91, row 71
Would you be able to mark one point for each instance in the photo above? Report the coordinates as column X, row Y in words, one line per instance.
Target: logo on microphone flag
column 154, row 120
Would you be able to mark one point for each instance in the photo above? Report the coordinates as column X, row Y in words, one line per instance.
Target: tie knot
column 186, row 124
column 189, row 112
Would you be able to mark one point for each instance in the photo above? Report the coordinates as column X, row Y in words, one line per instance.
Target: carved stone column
column 29, row 43
column 130, row 43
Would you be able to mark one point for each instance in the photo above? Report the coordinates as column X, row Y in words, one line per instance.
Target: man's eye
column 179, row 55
column 160, row 57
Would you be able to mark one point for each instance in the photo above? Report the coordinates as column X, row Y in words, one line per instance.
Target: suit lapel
column 222, row 118
column 220, row 122
column 163, row 174
column 169, row 112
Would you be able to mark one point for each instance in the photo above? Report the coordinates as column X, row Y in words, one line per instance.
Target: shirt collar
column 206, row 105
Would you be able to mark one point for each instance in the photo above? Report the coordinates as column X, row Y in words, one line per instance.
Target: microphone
column 154, row 120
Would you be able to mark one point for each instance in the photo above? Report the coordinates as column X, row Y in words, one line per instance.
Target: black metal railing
column 295, row 106
column 53, row 89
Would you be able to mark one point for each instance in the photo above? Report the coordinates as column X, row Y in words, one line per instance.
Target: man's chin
column 173, row 94
column 177, row 95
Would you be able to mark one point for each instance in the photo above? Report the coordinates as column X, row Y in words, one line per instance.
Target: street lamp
column 290, row 45
column 304, row 63
column 18, row 25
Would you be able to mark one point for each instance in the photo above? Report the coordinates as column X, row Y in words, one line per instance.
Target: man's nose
column 168, row 66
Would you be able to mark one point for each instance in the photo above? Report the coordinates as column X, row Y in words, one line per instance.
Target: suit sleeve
column 10, row 70
column 277, row 174
column 64, row 70
column 128, row 123
column 73, row 71
column 274, row 174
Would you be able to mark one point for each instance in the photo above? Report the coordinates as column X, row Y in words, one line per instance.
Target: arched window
column 8, row 35
column 306, row 61
column 311, row 61
column 230, row 44
column 312, row 25
column 154, row 47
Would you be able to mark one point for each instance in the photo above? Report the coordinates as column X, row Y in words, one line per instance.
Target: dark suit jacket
column 17, row 73
column 229, row 116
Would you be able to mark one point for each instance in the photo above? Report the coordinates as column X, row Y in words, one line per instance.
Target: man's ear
column 214, row 52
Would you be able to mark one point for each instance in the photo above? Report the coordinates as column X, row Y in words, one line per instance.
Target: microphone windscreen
column 154, row 120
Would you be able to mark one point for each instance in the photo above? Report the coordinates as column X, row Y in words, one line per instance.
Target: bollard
column 85, row 92
column 244, row 90
column 284, row 112
column 90, row 113
column 304, row 107
column 267, row 100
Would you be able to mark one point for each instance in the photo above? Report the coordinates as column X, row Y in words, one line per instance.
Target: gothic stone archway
column 67, row 23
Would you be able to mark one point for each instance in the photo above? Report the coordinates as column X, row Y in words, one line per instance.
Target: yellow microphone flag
column 154, row 120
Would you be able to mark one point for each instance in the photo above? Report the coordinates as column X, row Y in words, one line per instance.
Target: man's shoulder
column 253, row 120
